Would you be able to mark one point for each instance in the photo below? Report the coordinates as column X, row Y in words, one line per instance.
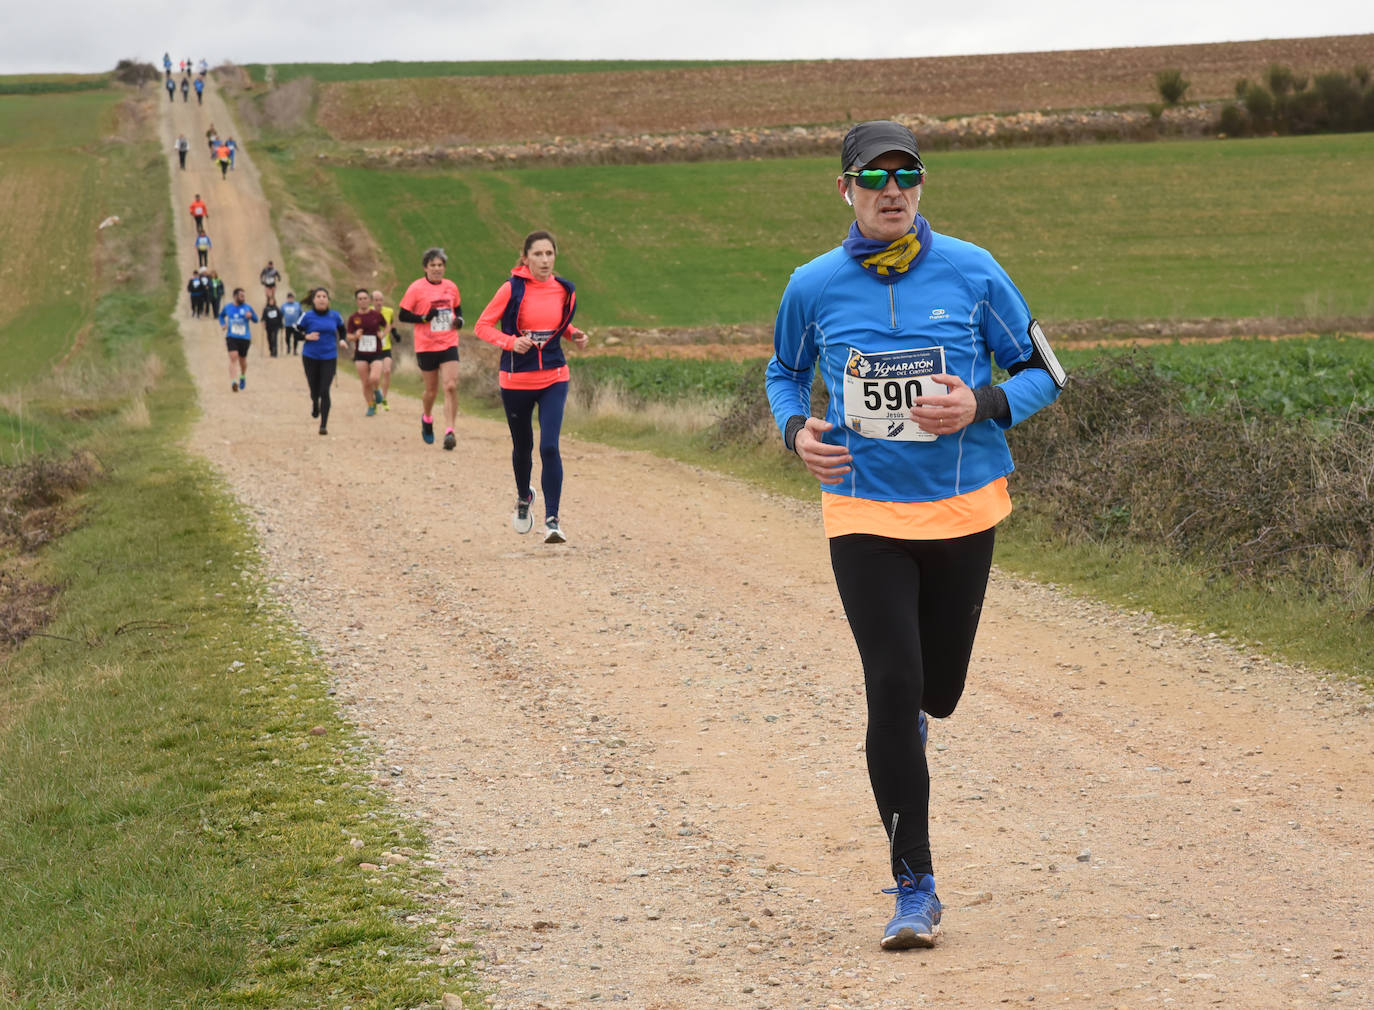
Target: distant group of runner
column 189, row 81
column 529, row 318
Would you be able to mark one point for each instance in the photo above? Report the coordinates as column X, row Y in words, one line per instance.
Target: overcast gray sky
column 85, row 36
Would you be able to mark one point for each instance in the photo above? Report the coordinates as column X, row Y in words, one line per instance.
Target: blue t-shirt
column 290, row 313
column 327, row 325
column 235, row 320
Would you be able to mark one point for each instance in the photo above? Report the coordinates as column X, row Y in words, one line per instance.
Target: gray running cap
column 870, row 140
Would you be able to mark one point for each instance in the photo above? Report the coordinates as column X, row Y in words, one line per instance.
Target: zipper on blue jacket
column 892, row 304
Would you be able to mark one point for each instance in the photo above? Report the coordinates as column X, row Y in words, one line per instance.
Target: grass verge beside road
column 185, row 820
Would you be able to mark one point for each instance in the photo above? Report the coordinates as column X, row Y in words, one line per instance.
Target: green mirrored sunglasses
column 876, row 178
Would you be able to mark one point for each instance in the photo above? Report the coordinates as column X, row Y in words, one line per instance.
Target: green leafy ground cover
column 1299, row 379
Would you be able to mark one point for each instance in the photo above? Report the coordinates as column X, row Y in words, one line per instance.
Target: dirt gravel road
column 639, row 754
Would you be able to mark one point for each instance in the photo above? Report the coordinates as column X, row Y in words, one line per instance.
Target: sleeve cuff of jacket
column 991, row 403
column 795, row 423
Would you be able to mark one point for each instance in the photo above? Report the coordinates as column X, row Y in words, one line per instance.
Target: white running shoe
column 521, row 521
column 552, row 533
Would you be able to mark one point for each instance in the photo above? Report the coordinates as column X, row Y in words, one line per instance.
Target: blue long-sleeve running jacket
column 955, row 297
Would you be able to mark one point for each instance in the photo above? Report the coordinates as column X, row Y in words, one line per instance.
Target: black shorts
column 237, row 346
column 370, row 357
column 429, row 361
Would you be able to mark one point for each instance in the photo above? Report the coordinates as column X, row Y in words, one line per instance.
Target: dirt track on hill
column 639, row 757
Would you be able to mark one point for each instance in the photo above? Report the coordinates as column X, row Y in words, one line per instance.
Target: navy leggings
column 520, row 404
column 319, row 372
column 913, row 606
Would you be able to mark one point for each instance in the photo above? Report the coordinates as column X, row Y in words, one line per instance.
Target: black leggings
column 913, row 606
column 319, row 372
column 520, row 404
column 272, row 328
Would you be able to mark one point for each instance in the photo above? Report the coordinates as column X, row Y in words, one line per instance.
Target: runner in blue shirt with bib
column 235, row 319
column 904, row 325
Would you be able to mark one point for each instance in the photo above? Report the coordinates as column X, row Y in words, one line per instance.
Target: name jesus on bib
column 880, row 390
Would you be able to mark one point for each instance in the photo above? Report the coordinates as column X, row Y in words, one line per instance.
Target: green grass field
column 172, row 834
column 1267, row 227
column 56, row 194
column 390, row 69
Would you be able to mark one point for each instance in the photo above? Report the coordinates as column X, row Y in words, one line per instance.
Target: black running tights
column 319, row 372
column 913, row 606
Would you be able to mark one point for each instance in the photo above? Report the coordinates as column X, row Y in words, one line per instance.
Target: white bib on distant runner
column 367, row 343
column 443, row 321
column 880, row 390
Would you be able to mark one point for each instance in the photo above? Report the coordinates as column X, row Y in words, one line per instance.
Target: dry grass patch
column 680, row 417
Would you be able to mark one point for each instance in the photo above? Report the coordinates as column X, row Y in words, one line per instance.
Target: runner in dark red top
column 365, row 331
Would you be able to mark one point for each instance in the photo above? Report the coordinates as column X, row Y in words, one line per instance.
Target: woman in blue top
column 321, row 330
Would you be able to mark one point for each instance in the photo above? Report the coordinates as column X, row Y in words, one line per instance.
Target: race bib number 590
column 880, row 390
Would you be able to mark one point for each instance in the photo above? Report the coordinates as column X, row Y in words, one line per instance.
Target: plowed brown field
column 484, row 110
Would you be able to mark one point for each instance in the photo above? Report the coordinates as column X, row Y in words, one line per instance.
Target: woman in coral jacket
column 528, row 318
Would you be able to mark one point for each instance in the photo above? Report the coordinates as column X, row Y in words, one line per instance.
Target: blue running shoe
column 923, row 726
column 917, row 922
column 427, row 431
column 377, row 397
